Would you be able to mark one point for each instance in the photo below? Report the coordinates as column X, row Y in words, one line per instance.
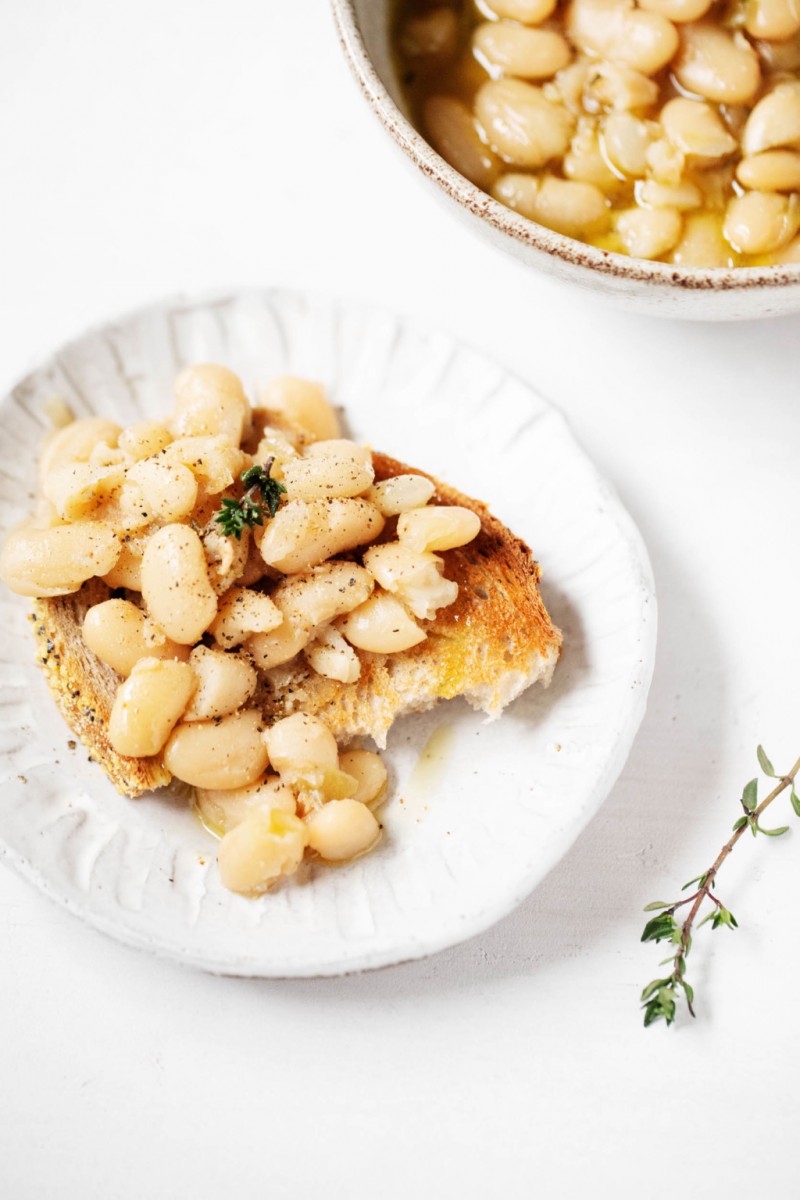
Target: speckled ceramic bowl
column 657, row 288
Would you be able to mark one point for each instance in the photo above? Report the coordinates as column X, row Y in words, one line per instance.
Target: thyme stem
column 660, row 996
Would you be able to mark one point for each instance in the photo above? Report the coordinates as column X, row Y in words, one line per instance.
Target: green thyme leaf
column 774, row 832
column 659, row 929
column 263, row 495
column 258, row 478
column 738, row 824
column 271, row 493
column 795, row 799
column 655, row 905
column 253, row 475
column 231, row 518
column 765, row 764
column 750, row 795
column 723, row 916
column 654, row 986
column 652, row 1013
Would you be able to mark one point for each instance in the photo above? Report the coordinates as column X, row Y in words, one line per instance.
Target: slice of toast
column 492, row 643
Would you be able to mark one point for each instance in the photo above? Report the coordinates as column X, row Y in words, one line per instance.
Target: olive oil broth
column 656, row 198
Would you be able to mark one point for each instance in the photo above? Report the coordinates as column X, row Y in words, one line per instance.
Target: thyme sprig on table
column 262, row 497
column 660, row 997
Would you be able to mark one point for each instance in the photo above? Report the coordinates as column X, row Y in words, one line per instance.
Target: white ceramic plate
column 487, row 809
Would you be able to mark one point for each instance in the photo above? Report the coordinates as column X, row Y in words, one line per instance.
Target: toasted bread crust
column 489, row 645
column 84, row 687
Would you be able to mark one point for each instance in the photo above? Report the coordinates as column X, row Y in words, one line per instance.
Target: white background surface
column 150, row 148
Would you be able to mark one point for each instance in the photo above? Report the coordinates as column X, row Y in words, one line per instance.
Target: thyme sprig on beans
column 261, row 498
column 661, row 996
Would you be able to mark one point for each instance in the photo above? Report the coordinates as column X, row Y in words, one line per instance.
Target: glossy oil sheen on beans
column 632, row 125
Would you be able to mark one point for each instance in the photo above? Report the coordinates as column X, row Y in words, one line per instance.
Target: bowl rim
column 522, row 229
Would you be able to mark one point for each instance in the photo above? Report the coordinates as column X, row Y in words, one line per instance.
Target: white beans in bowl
column 561, row 121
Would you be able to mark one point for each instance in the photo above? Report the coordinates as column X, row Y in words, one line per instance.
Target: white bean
column 381, row 625
column 316, row 597
column 584, row 162
column 225, row 682
column 210, row 400
column 612, row 85
column 771, row 171
column 127, row 570
column 625, row 140
column 781, row 56
column 227, row 753
column 205, row 381
column 273, row 649
column 529, row 12
column 148, row 705
column 775, row 120
column 119, row 633
column 226, row 417
column 325, row 478
column 430, row 36
column 169, row 489
column 264, row 848
column 516, row 50
column 77, row 489
column 342, row 829
column 567, row 206
column 760, row 222
column 75, row 442
column 702, row 243
column 652, row 194
column 775, row 20
column 221, row 811
column 521, row 125
column 453, row 133
column 400, row 493
column 301, row 745
column 717, row 65
column 649, row 232
column 339, row 448
column 276, row 447
column 143, row 439
column 56, row 561
column 303, row 403
column 441, row 527
column 665, row 162
column 416, row 578
column 696, row 129
column 677, row 10
column 227, row 558
column 615, row 30
column 369, row 772
column 331, row 656
column 303, row 535
column 243, row 612
column 213, row 459
column 175, row 585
